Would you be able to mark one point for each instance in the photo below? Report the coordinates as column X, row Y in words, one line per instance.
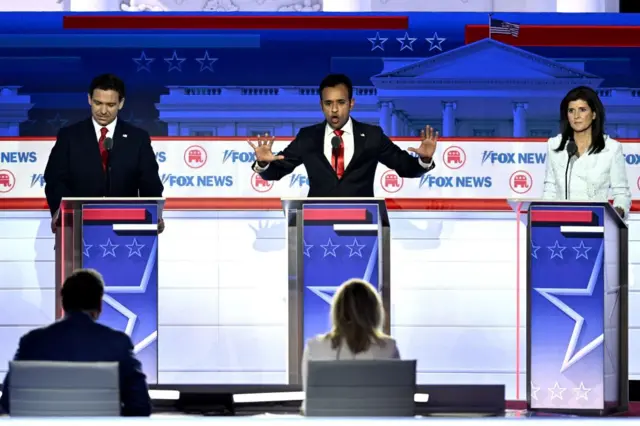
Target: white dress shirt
column 319, row 349
column 348, row 143
column 592, row 177
column 111, row 127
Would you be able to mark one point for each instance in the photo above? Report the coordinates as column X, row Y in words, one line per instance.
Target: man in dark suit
column 79, row 338
column 80, row 164
column 341, row 154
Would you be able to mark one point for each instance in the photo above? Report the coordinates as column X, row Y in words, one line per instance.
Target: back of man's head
column 82, row 291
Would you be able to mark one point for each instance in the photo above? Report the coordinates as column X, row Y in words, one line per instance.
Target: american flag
column 501, row 27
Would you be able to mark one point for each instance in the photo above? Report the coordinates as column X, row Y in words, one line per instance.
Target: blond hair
column 356, row 316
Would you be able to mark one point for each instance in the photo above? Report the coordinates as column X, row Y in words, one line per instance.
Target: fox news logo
column 37, row 179
column 18, row 157
column 238, row 156
column 513, row 158
column 161, row 156
column 196, row 181
column 298, row 181
column 632, row 159
column 456, row 182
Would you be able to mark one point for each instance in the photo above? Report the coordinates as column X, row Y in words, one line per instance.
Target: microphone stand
column 571, row 151
column 108, row 170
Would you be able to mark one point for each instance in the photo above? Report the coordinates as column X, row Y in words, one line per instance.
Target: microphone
column 572, row 149
column 108, row 145
column 335, row 146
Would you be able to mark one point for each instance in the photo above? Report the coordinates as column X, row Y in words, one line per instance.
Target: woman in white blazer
column 597, row 171
column 356, row 316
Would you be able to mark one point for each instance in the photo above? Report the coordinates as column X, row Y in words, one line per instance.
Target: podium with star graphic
column 577, row 307
column 118, row 237
column 331, row 240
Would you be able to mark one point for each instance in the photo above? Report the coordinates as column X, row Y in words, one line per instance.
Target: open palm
column 262, row 148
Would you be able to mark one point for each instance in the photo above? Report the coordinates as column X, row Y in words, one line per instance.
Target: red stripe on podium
column 335, row 214
column 561, row 216
column 113, row 214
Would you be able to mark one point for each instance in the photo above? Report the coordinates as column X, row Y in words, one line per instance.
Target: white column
column 449, row 119
column 520, row 119
column 385, row 116
column 346, row 6
column 396, row 123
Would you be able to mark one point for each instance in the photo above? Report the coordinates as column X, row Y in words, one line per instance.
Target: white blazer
column 592, row 177
column 319, row 349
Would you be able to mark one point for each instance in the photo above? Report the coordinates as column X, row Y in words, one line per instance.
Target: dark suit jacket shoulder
column 74, row 168
column 78, row 338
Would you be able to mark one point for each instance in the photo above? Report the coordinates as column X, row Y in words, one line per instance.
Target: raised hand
column 428, row 145
column 262, row 148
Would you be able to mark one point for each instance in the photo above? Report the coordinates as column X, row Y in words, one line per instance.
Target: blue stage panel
column 336, row 251
column 128, row 261
column 566, row 307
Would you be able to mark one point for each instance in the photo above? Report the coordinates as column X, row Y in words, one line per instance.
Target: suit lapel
column 359, row 141
column 319, row 146
column 118, row 136
column 92, row 144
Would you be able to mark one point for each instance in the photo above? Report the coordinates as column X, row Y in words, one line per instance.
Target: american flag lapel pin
column 124, row 135
column 362, row 135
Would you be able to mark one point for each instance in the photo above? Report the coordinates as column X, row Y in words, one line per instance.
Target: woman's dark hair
column 589, row 96
column 357, row 315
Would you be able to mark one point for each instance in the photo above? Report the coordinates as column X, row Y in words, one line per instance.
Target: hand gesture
column 262, row 149
column 428, row 145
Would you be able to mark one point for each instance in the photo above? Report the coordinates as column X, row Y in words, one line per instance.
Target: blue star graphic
column 556, row 250
column 377, row 42
column 143, row 62
column 141, row 289
column 581, row 251
column 355, row 249
column 174, row 62
column 134, row 248
column 109, row 248
column 209, row 62
column 435, row 42
column 57, row 123
column 534, row 250
column 85, row 251
column 329, row 248
column 572, row 356
column 406, row 41
column 307, row 248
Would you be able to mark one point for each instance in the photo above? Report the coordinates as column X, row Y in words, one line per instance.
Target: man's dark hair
column 107, row 82
column 333, row 80
column 82, row 291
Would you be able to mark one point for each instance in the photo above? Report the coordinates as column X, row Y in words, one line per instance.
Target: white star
column 209, row 62
column 139, row 289
column 556, row 392
column 86, row 248
column 377, row 42
column 534, row 391
column 178, row 62
column 435, row 42
column 582, row 392
column 406, row 41
column 355, row 249
column 581, row 251
column 329, row 248
column 534, row 250
column 134, row 248
column 571, row 356
column 109, row 248
column 324, row 292
column 143, row 62
column 307, row 248
column 556, row 250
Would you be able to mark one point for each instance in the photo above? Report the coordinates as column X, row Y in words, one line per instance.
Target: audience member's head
column 356, row 315
column 82, row 291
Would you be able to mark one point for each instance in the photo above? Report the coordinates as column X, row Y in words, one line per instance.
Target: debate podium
column 330, row 240
column 118, row 237
column 577, row 307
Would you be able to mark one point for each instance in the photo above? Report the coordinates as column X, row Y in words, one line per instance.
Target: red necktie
column 103, row 152
column 337, row 155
